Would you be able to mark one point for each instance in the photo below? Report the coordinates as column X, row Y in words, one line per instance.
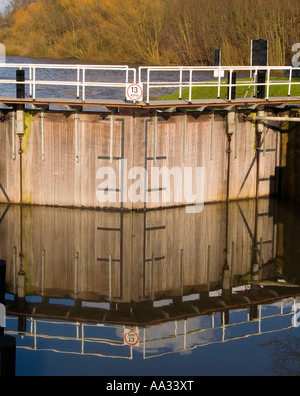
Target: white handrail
column 80, row 81
column 178, row 77
column 180, row 83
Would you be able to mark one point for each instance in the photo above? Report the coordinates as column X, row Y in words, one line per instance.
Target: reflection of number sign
column 131, row 337
column 134, row 92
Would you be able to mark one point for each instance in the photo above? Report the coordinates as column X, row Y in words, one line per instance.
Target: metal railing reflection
column 178, row 336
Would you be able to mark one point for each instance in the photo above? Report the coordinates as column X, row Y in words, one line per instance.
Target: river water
column 154, row 294
column 177, row 309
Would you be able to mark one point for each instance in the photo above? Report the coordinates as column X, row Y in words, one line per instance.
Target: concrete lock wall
column 63, row 151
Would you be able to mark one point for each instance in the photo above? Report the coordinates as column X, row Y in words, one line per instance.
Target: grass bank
column 244, row 91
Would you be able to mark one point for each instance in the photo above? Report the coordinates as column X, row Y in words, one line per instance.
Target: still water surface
column 203, row 296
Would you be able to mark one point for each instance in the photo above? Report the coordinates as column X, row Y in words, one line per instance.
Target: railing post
column 83, row 84
column 232, row 85
column 219, row 83
column 78, row 83
column 191, row 86
column 148, row 86
column 180, row 88
column 268, row 83
column 30, row 84
column 34, row 83
column 290, row 82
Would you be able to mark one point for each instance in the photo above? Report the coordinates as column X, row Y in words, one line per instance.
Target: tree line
column 156, row 32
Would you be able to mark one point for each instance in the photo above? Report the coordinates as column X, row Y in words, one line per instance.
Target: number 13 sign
column 134, row 92
column 131, row 337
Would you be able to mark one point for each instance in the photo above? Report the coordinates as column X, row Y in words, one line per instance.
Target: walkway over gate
column 87, row 85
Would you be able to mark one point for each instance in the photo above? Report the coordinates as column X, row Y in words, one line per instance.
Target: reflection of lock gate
column 112, row 157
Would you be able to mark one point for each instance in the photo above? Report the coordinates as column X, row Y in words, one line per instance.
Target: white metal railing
column 79, row 79
column 179, row 79
column 184, row 77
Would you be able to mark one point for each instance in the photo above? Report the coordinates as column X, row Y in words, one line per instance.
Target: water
column 93, row 276
column 70, row 92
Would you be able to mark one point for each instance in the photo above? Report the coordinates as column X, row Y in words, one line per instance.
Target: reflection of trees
column 285, row 353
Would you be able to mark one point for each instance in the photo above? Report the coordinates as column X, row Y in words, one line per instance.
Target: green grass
column 241, row 92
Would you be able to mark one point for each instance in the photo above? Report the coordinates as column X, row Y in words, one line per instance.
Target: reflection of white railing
column 224, row 332
column 170, row 337
column 77, row 344
column 184, row 77
column 81, row 81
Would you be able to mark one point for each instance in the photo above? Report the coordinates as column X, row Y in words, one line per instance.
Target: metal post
column 20, row 77
column 13, row 135
column 184, row 134
column 212, row 126
column 76, row 138
column 155, row 137
column 290, row 82
column 34, row 85
column 268, row 84
column 261, row 89
column 148, row 86
column 219, row 84
column 43, row 134
column 21, row 167
column 191, row 86
column 78, row 83
column 180, row 88
column 112, row 138
column 231, row 95
column 30, row 85
column 217, row 58
column 83, row 85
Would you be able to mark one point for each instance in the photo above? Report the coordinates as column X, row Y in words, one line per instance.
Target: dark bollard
column 217, row 58
column 20, row 77
column 261, row 89
column 7, row 356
